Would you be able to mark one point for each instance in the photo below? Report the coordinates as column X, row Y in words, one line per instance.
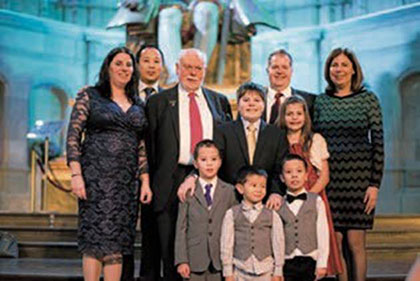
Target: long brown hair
column 356, row 79
column 307, row 133
column 104, row 84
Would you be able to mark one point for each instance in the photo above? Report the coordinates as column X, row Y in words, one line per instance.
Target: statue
column 201, row 24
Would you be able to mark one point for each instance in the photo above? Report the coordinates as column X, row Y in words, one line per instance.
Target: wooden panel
column 56, row 199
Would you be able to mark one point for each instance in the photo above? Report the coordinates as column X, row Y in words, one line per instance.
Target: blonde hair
column 307, row 133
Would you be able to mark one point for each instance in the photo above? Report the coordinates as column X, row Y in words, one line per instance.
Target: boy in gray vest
column 197, row 239
column 252, row 242
column 305, row 225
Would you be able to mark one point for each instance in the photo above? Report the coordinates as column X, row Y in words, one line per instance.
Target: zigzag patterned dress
column 352, row 127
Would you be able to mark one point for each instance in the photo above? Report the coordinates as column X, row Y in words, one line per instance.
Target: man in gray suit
column 198, row 229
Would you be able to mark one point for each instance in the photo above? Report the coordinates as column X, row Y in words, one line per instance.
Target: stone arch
column 3, row 133
column 410, row 128
column 48, row 103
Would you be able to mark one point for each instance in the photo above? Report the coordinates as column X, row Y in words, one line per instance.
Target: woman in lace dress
column 106, row 154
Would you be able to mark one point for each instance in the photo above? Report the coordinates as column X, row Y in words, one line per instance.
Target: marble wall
column 52, row 60
column 94, row 13
column 45, row 58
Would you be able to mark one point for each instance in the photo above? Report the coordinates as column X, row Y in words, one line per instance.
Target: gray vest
column 300, row 230
column 252, row 238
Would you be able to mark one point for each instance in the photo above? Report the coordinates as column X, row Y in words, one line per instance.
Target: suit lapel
column 199, row 194
column 210, row 103
column 239, row 131
column 174, row 110
column 264, row 117
column 260, row 143
column 217, row 196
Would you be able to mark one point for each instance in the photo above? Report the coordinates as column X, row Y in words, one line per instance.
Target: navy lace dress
column 108, row 143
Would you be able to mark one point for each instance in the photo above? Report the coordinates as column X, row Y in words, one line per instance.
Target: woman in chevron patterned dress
column 350, row 119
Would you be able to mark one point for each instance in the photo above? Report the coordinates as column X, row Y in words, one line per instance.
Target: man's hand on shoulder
column 274, row 202
column 188, row 186
column 83, row 89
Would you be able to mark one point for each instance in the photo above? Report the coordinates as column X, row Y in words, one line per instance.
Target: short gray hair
column 198, row 52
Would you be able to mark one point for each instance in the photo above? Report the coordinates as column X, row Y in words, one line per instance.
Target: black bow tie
column 291, row 198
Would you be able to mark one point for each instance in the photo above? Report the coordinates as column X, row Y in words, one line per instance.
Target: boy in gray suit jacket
column 197, row 240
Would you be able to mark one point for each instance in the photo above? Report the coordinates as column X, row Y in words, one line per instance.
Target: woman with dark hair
column 106, row 154
column 349, row 117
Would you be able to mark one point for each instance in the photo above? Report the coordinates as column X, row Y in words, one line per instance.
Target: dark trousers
column 150, row 250
column 150, row 246
column 166, row 225
column 127, row 273
column 128, row 268
column 166, row 222
column 299, row 269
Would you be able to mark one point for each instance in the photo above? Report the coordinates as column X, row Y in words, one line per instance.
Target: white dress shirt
column 320, row 255
column 185, row 156
column 271, row 93
column 256, row 126
column 273, row 264
column 203, row 184
column 143, row 86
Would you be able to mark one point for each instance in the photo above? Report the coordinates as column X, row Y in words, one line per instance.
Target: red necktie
column 195, row 122
column 275, row 108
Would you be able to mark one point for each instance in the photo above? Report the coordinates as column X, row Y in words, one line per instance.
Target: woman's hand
column 145, row 193
column 187, row 186
column 320, row 273
column 371, row 197
column 78, row 186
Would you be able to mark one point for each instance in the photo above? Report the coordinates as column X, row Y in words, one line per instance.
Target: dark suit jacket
column 198, row 229
column 309, row 98
column 269, row 153
column 162, row 139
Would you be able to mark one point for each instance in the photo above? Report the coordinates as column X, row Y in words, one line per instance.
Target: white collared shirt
column 203, row 184
column 273, row 264
column 271, row 99
column 185, row 156
column 256, row 125
column 143, row 86
column 320, row 255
